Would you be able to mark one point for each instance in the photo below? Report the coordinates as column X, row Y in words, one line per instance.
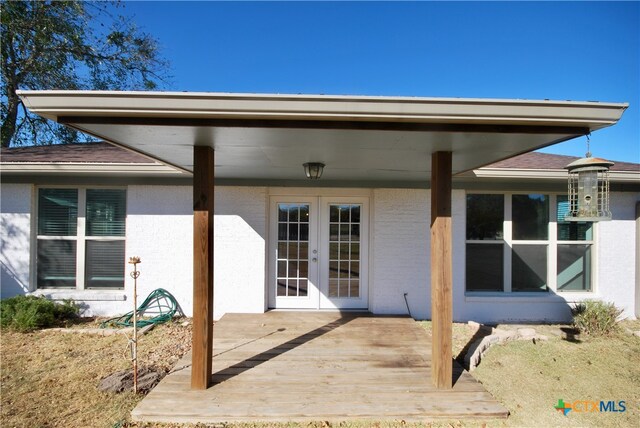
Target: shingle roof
column 73, row 153
column 107, row 153
column 536, row 160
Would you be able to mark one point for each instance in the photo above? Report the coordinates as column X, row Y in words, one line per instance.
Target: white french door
column 318, row 253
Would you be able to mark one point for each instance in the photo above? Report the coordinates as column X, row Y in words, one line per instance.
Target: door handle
column 315, row 259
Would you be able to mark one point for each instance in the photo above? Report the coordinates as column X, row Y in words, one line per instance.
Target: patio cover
column 265, row 139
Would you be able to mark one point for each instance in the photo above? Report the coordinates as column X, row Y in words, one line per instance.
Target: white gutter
column 19, row 168
column 543, row 174
column 55, row 104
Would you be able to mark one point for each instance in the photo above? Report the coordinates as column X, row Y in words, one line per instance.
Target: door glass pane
column 283, row 212
column 529, row 268
column 344, row 250
column 282, row 268
column 58, row 212
column 355, row 232
column 104, row 266
column 333, row 232
column 292, row 250
column 574, row 267
column 355, row 251
column 355, row 213
column 303, row 250
column 333, row 288
column 304, row 213
column 304, row 232
column 282, row 288
column 484, row 267
column 282, row 231
column 530, row 217
column 354, row 288
column 485, row 217
column 354, row 271
column 345, row 213
column 334, row 213
column 302, row 288
column 56, row 263
column 333, row 269
column 294, row 210
column 106, row 212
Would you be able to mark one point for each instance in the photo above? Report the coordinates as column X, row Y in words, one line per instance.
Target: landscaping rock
column 476, row 350
column 123, row 380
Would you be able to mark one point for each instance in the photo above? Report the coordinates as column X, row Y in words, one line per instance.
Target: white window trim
column 552, row 294
column 81, row 236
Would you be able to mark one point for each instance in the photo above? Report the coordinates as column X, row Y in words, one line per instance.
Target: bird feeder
column 589, row 189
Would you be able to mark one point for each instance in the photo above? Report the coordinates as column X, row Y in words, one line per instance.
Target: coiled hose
column 159, row 307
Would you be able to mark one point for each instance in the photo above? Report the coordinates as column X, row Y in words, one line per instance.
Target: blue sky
column 583, row 51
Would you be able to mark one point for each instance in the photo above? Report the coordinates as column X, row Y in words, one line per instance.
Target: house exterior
column 377, row 249
column 395, row 219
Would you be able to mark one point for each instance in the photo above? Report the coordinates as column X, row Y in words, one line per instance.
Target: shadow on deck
column 306, row 366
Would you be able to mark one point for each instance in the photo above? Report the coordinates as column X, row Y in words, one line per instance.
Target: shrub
column 28, row 313
column 595, row 317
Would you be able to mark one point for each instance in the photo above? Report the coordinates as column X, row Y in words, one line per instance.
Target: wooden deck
column 304, row 366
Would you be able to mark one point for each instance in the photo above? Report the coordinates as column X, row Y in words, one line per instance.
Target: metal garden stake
column 134, row 353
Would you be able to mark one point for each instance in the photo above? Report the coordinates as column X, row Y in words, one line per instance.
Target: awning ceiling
column 269, row 137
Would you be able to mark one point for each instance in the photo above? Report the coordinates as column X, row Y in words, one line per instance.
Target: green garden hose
column 159, row 307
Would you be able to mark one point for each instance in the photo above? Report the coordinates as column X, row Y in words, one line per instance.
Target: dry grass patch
column 528, row 379
column 50, row 378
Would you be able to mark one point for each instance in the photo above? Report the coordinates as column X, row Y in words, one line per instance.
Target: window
column 521, row 243
column 575, row 240
column 485, row 240
column 81, row 238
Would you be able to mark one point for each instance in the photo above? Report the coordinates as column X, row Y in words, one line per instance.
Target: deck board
column 305, row 366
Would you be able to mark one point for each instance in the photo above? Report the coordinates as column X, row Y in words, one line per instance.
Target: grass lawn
column 50, row 378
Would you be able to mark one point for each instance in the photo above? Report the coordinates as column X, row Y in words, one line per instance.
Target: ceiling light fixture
column 313, row 170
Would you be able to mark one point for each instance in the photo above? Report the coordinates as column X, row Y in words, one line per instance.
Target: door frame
column 357, row 195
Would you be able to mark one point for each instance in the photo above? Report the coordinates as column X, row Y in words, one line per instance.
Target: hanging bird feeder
column 589, row 189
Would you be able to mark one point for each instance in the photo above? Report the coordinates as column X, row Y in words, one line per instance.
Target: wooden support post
column 203, row 194
column 441, row 267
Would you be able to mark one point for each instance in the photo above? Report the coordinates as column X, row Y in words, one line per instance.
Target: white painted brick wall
column 617, row 256
column 15, row 238
column 160, row 231
column 400, row 255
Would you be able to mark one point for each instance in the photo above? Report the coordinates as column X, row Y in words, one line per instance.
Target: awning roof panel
column 358, row 138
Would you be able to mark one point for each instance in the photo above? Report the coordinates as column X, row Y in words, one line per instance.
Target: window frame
column 80, row 238
column 551, row 243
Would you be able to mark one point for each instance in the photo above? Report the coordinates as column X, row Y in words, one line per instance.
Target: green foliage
column 68, row 45
column 28, row 313
column 595, row 317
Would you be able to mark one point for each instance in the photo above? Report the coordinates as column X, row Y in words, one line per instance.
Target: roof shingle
column 101, row 152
